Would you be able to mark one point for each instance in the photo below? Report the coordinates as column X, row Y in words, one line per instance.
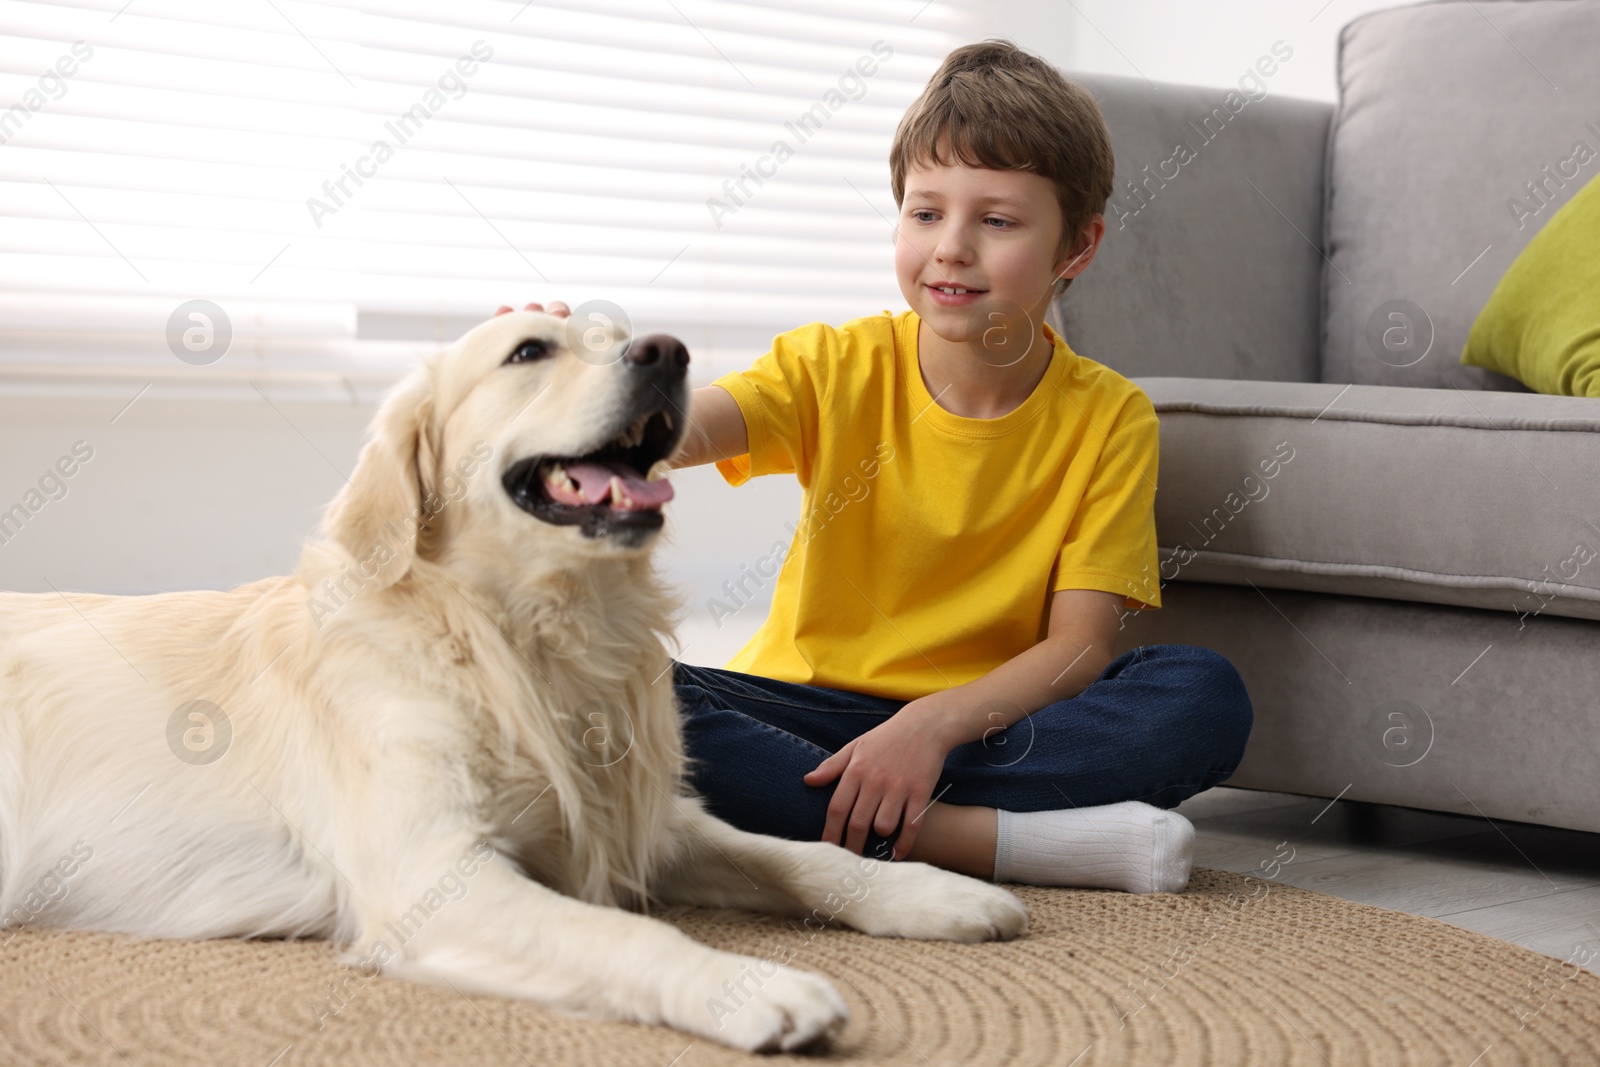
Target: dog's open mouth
column 603, row 490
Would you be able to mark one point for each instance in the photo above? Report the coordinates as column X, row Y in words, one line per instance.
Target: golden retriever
column 449, row 742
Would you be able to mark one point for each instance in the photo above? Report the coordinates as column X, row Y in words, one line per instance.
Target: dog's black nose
column 659, row 351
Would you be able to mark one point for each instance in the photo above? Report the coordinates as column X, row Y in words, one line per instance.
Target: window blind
column 209, row 194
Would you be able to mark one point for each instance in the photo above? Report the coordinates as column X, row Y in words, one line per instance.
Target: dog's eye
column 528, row 351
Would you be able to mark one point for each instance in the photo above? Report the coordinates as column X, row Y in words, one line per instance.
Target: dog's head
column 531, row 434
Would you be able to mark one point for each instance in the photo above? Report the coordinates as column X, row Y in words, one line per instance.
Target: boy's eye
column 992, row 218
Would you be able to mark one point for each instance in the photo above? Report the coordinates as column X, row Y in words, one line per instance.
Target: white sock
column 1132, row 846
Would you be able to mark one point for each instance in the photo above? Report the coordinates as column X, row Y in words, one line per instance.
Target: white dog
column 448, row 742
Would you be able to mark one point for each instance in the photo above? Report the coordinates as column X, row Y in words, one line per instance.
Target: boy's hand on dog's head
column 556, row 308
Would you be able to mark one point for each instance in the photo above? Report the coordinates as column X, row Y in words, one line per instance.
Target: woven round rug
column 1235, row 970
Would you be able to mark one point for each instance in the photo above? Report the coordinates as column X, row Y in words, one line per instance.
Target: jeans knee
column 695, row 704
column 684, row 674
column 1215, row 707
column 1230, row 712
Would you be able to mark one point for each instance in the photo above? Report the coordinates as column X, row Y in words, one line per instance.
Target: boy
column 935, row 680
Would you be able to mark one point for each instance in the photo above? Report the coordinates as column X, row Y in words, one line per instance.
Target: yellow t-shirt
column 929, row 543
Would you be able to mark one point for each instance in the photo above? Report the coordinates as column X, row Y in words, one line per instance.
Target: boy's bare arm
column 1080, row 644
column 716, row 429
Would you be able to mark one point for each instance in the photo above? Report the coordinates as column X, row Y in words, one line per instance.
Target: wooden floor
column 1532, row 885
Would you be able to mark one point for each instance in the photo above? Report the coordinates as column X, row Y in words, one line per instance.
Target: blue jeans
column 1160, row 724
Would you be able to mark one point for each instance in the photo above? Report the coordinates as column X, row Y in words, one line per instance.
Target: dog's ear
column 379, row 516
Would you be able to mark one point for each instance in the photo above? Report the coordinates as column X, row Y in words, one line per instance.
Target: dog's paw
column 919, row 900
column 759, row 1006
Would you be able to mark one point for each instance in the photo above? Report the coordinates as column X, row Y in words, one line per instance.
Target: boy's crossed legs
column 1073, row 794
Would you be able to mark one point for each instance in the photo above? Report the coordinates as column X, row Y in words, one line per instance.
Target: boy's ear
column 1077, row 258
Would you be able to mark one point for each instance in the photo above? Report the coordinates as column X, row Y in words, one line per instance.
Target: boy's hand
column 886, row 773
column 556, row 308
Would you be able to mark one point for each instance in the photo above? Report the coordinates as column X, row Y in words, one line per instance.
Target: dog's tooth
column 557, row 475
column 667, row 415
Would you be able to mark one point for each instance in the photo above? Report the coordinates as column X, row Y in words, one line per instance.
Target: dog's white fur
column 467, row 768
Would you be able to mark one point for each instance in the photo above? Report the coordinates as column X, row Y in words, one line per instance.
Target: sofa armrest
column 1210, row 266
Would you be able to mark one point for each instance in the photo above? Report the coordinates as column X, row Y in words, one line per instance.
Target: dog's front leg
column 720, row 865
column 507, row 935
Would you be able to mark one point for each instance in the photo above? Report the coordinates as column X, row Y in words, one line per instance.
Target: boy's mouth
column 954, row 296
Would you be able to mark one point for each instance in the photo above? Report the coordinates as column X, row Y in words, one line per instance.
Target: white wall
column 187, row 494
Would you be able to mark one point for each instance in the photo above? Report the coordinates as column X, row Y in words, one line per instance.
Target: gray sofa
column 1400, row 554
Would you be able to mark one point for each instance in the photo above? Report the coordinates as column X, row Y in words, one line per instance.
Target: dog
column 449, row 742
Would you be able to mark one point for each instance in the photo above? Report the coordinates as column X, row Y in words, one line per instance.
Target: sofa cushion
column 1542, row 325
column 1198, row 273
column 1461, row 128
column 1444, row 496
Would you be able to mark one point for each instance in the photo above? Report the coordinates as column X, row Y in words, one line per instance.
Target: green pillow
column 1541, row 325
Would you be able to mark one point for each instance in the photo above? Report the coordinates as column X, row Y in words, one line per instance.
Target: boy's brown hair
column 999, row 107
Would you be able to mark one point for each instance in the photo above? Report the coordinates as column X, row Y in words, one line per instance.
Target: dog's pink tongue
column 594, row 485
